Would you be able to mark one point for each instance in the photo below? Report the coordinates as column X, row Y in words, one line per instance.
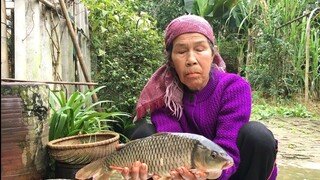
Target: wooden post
column 4, row 45
column 77, row 47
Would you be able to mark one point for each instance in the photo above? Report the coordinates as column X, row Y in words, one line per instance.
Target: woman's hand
column 183, row 173
column 138, row 171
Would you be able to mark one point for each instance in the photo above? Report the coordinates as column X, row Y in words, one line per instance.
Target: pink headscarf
column 164, row 87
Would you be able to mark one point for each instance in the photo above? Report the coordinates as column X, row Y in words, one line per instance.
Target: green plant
column 209, row 8
column 275, row 45
column 266, row 111
column 76, row 115
column 163, row 10
column 127, row 49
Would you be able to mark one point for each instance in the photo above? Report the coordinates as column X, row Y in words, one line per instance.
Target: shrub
column 76, row 114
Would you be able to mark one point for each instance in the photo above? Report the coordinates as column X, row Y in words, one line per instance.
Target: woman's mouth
column 192, row 74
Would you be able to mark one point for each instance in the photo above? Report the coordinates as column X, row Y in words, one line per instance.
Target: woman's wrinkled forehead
column 187, row 24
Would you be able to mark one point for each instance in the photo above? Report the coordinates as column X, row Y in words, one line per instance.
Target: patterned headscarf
column 164, row 87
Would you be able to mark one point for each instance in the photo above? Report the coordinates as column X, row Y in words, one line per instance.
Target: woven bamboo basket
column 83, row 149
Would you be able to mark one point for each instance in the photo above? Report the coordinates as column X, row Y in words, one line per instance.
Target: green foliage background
column 127, row 43
column 274, row 46
column 127, row 49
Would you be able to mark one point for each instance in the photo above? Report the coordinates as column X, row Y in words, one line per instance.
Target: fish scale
column 162, row 152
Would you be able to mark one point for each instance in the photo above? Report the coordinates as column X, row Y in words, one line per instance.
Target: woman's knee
column 142, row 129
column 258, row 135
column 258, row 149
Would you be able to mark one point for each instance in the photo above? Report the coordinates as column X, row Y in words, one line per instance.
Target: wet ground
column 299, row 147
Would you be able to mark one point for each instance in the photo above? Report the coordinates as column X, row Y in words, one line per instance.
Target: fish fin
column 117, row 168
column 135, row 140
column 160, row 134
column 120, row 146
column 116, row 176
column 132, row 141
column 193, row 170
column 103, row 176
column 93, row 170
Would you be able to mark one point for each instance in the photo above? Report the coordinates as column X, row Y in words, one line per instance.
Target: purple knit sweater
column 217, row 112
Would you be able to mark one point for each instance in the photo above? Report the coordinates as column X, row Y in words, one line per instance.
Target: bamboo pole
column 291, row 21
column 50, row 82
column 250, row 51
column 48, row 4
column 4, row 45
column 75, row 31
column 77, row 47
column 306, row 78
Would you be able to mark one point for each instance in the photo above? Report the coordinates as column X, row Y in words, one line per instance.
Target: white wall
column 43, row 45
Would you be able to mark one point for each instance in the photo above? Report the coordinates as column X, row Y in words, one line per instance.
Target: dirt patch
column 299, row 146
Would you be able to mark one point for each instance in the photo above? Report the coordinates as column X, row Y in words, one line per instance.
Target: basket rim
column 52, row 144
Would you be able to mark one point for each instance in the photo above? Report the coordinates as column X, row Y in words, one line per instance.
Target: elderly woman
column 193, row 93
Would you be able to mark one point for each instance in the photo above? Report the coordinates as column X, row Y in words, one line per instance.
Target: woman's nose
column 192, row 59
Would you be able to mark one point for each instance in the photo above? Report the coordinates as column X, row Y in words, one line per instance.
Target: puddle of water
column 295, row 173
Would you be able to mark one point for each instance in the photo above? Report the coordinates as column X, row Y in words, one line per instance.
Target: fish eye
column 214, row 154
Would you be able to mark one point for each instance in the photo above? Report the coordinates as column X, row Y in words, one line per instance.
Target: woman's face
column 192, row 58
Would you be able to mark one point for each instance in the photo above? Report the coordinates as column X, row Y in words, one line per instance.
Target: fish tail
column 95, row 170
column 103, row 176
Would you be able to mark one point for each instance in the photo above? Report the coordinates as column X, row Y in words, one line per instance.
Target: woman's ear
column 216, row 49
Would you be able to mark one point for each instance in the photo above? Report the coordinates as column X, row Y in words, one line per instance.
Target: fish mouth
column 227, row 165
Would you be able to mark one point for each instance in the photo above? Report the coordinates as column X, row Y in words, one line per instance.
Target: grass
column 283, row 108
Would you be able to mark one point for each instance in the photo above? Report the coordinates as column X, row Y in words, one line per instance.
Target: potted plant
column 80, row 131
column 76, row 115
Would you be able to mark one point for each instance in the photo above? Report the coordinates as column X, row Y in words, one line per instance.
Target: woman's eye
column 199, row 49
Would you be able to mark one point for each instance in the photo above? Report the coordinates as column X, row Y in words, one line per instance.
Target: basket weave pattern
column 83, row 149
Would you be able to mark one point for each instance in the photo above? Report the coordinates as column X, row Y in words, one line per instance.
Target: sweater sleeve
column 234, row 113
column 163, row 122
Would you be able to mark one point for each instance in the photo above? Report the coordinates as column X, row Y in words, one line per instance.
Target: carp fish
column 162, row 152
